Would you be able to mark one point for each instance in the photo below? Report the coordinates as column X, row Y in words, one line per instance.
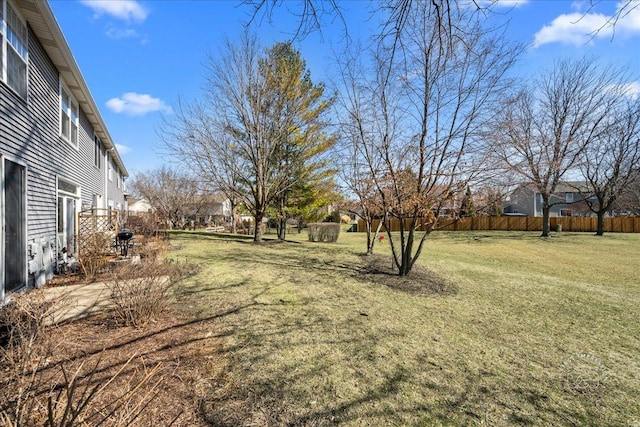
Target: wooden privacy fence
column 516, row 223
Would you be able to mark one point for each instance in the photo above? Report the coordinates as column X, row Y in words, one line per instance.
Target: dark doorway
column 14, row 234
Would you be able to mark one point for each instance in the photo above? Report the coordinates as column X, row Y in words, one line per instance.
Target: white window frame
column 18, row 47
column 110, row 171
column 97, row 151
column 70, row 109
column 63, row 236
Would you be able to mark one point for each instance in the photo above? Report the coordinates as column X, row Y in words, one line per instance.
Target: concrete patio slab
column 80, row 300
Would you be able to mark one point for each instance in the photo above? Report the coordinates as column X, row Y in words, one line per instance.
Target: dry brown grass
column 502, row 329
column 493, row 329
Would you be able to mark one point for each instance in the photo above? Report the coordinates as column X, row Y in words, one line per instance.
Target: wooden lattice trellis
column 97, row 229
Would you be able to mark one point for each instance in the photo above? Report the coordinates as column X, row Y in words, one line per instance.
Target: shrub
column 95, row 252
column 35, row 391
column 150, row 248
column 323, row 232
column 141, row 292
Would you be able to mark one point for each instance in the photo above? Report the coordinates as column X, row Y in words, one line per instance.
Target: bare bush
column 24, row 350
column 35, row 390
column 151, row 248
column 140, row 293
column 323, row 232
column 94, row 252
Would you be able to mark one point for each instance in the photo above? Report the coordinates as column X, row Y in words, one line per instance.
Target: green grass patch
column 530, row 332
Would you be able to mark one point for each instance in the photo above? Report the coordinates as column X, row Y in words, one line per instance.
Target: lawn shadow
column 382, row 270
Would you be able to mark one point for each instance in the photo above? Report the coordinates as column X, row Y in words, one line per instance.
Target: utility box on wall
column 41, row 261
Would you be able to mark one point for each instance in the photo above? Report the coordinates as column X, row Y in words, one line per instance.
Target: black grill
column 124, row 242
column 125, row 235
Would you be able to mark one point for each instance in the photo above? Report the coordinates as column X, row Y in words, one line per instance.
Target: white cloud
column 127, row 10
column 629, row 17
column 123, row 149
column 581, row 28
column 630, row 90
column 497, row 3
column 137, row 104
column 122, row 33
column 510, row 3
column 126, row 33
column 579, row 5
column 573, row 28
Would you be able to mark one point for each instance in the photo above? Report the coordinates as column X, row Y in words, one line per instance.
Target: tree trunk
column 600, row 229
column 406, row 264
column 234, row 216
column 370, row 241
column 546, row 210
column 282, row 221
column 257, row 227
column 282, row 228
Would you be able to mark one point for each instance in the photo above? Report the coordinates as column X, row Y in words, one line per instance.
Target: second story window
column 13, row 49
column 68, row 117
column 97, row 152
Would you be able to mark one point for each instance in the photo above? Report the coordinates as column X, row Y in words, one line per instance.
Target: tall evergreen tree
column 261, row 123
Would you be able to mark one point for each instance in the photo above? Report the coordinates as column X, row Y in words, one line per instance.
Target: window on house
column 68, row 206
column 97, row 152
column 565, row 212
column 68, row 117
column 13, row 49
column 569, row 197
column 110, row 172
column 118, row 179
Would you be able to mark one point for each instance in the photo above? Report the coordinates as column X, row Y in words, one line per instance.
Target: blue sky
column 140, row 57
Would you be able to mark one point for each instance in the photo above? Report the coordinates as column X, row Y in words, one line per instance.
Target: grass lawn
column 537, row 332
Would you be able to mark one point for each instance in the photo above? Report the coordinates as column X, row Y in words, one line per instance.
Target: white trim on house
column 43, row 23
column 97, row 151
column 68, row 191
column 14, row 43
column 50, row 170
column 69, row 110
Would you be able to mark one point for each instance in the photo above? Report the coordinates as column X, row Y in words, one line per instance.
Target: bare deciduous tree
column 611, row 162
column 174, row 194
column 629, row 201
column 258, row 129
column 364, row 199
column 312, row 14
column 546, row 126
column 623, row 9
column 418, row 121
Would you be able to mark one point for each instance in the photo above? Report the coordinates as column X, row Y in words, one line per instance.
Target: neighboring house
column 138, row 206
column 218, row 211
column 567, row 201
column 211, row 209
column 56, row 155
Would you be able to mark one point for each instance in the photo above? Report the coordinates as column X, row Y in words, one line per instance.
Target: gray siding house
column 56, row 155
column 567, row 201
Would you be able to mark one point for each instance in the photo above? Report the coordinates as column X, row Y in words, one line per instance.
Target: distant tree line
column 427, row 125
